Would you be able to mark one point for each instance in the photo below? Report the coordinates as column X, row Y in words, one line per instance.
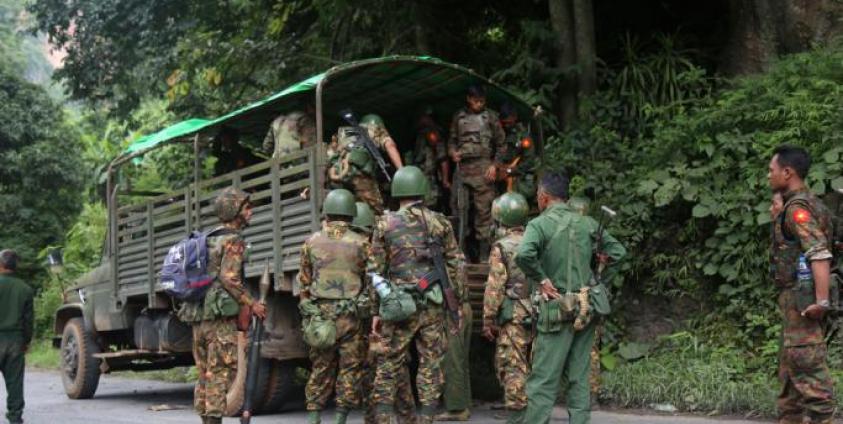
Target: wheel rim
column 70, row 356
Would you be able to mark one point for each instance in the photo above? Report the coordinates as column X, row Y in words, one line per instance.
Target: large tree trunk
column 563, row 26
column 586, row 54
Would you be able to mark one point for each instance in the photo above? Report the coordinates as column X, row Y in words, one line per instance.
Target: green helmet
column 510, row 209
column 371, row 120
column 365, row 219
column 409, row 181
column 339, row 202
column 229, row 203
column 579, row 204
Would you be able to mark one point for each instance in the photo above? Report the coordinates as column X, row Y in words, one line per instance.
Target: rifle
column 348, row 116
column 254, row 352
column 462, row 210
column 440, row 273
column 598, row 258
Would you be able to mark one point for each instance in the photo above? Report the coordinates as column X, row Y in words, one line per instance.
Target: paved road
column 126, row 401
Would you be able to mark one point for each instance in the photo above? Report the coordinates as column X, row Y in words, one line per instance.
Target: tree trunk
column 752, row 37
column 586, row 54
column 560, row 19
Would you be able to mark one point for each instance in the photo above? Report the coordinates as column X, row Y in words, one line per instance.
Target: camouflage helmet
column 409, row 181
column 510, row 209
column 339, row 202
column 229, row 203
column 365, row 219
column 579, row 205
column 371, row 120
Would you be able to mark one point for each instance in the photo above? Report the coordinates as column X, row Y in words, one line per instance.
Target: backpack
column 184, row 274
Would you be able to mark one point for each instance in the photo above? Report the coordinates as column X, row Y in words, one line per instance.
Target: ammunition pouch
column 556, row 312
column 398, row 306
column 219, row 304
column 598, row 299
column 319, row 333
column 507, row 310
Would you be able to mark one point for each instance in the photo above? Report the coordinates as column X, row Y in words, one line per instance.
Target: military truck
column 117, row 317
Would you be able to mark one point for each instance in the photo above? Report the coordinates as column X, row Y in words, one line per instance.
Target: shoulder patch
column 801, row 216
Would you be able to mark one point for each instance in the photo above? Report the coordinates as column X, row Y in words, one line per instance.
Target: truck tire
column 237, row 388
column 281, row 387
column 80, row 370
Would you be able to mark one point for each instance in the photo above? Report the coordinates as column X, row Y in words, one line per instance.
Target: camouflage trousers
column 366, row 189
column 481, row 194
column 512, row 356
column 339, row 367
column 405, row 402
column 427, row 329
column 807, row 387
column 215, row 353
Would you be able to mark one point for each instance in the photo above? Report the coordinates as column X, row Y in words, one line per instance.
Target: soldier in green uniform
column 507, row 313
column 801, row 236
column 353, row 167
column 475, row 138
column 214, row 318
column 405, row 403
column 290, row 132
column 555, row 256
column 331, row 277
column 516, row 155
column 15, row 333
column 430, row 155
column 401, row 253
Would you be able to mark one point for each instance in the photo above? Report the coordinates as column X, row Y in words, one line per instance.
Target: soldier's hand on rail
column 259, row 310
column 490, row 331
column 492, row 173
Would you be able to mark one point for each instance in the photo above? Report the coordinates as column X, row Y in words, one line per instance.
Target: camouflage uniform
column 289, row 133
column 506, row 303
column 331, row 276
column 429, row 154
column 401, row 253
column 353, row 167
column 214, row 323
column 524, row 171
column 477, row 136
column 802, row 228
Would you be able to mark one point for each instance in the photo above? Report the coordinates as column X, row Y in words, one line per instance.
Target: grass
column 43, row 355
column 172, row 375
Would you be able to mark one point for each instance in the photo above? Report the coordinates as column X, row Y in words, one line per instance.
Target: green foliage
column 43, row 355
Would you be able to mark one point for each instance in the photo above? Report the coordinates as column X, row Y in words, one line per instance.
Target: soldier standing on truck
column 475, row 137
column 355, row 168
column 214, row 317
column 15, row 333
column 290, row 132
column 507, row 311
column 401, row 253
column 334, row 301
column 431, row 156
column 517, row 157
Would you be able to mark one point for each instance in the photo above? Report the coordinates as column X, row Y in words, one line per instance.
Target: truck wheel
column 281, row 387
column 237, row 388
column 80, row 371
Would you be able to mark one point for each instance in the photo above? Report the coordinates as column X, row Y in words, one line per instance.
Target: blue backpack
column 185, row 272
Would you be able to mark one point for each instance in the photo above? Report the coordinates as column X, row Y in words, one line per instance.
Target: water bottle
column 804, row 285
column 803, row 272
column 381, row 285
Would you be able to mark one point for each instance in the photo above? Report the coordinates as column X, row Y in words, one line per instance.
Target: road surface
column 127, row 401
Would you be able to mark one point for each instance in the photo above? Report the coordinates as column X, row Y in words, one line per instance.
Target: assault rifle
column 348, row 116
column 440, row 273
column 254, row 352
column 599, row 259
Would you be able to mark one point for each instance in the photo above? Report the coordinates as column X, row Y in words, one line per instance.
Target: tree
column 573, row 22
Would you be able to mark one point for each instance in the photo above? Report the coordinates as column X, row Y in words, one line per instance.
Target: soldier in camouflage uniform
column 516, row 155
column 405, row 403
column 214, row 318
column 355, row 169
column 431, row 156
column 400, row 252
column 506, row 305
column 802, row 229
column 331, row 277
column 475, row 137
column 290, row 132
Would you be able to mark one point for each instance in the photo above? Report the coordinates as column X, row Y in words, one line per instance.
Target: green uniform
column 557, row 245
column 802, row 228
column 457, row 389
column 15, row 333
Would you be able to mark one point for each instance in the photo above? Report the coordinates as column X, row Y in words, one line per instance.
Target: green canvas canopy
column 395, row 87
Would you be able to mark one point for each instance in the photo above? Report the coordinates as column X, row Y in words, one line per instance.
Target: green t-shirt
column 15, row 308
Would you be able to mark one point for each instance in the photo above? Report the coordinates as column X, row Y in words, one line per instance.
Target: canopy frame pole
column 319, row 154
column 196, row 198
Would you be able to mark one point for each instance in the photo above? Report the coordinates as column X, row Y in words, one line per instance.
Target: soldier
column 331, row 276
column 517, row 155
column 214, row 318
column 290, row 132
column 405, row 403
column 15, row 333
column 507, row 312
column 801, row 236
column 354, row 167
column 400, row 252
column 230, row 154
column 430, row 155
column 475, row 136
column 555, row 254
